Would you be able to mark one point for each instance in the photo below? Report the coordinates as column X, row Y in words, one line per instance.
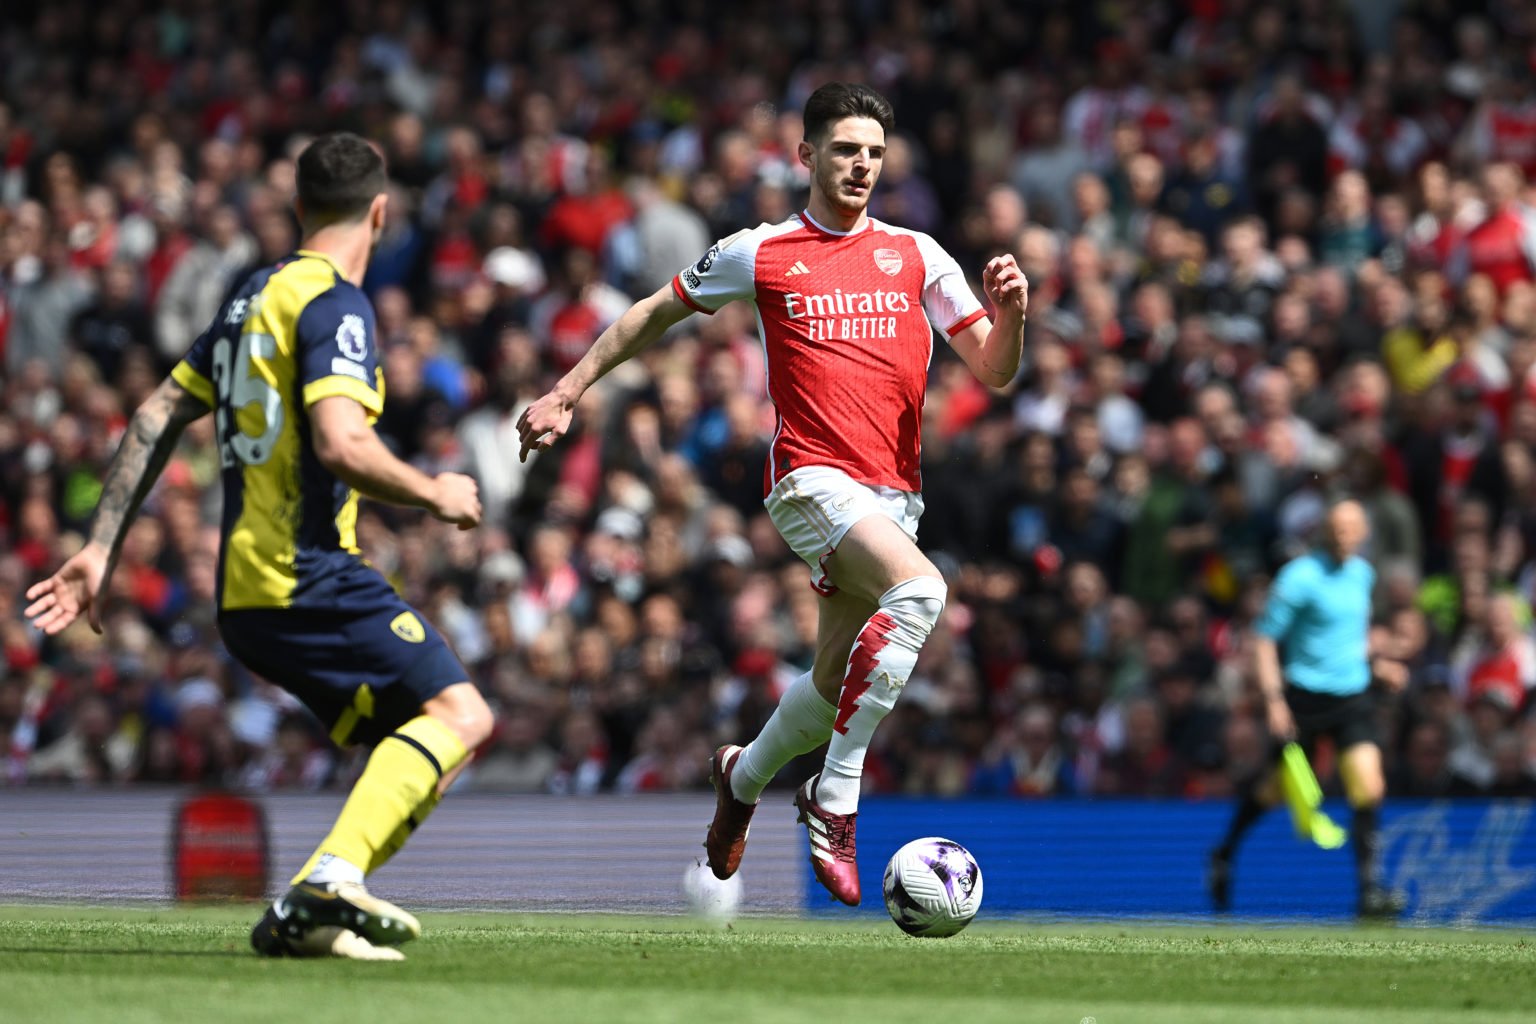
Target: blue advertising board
column 1458, row 862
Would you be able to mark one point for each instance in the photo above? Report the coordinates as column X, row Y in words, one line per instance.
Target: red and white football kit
column 844, row 318
column 845, row 321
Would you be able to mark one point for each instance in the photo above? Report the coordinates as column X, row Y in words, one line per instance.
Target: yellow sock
column 391, row 846
column 399, row 785
column 394, row 842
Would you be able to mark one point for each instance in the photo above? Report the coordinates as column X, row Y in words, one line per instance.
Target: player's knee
column 1364, row 783
column 1367, row 792
column 917, row 603
column 476, row 724
column 465, row 713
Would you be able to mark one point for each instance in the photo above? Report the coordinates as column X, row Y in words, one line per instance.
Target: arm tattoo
column 151, row 437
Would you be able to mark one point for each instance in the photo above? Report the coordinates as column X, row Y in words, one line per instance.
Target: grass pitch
column 62, row 964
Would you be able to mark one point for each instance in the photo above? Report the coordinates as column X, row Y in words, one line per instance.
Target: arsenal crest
column 888, row 260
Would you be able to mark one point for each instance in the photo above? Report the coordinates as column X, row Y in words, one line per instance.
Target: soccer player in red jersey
column 844, row 305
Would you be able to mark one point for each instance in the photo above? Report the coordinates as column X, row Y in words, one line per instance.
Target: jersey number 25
column 237, row 387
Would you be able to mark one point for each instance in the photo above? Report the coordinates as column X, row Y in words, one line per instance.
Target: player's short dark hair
column 339, row 175
column 837, row 100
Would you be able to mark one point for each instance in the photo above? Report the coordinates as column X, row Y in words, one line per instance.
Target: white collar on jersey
column 819, row 226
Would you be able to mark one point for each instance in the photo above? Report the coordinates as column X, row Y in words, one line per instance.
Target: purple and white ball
column 932, row 887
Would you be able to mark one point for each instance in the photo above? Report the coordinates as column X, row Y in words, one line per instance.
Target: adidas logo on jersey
column 798, row 268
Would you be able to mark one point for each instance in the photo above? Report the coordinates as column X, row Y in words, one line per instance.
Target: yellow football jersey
column 291, row 334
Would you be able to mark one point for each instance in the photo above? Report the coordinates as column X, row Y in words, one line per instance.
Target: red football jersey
column 1512, row 134
column 1503, row 247
column 844, row 318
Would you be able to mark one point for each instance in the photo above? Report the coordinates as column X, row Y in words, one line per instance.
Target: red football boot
column 727, row 838
column 832, row 846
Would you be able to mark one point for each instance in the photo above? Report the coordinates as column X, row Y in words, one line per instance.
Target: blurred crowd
column 1279, row 253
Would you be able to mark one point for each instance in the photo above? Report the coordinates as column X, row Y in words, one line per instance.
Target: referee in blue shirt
column 1314, row 668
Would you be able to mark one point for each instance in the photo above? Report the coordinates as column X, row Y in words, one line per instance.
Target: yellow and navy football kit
column 297, row 602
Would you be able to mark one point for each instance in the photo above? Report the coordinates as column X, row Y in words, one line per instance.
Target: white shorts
column 814, row 507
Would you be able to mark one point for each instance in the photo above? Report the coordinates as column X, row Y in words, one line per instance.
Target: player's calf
column 882, row 660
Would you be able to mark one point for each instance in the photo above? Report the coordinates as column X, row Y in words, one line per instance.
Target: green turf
column 124, row 966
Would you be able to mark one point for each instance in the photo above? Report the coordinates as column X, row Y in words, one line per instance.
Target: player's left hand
column 1006, row 285
column 58, row 600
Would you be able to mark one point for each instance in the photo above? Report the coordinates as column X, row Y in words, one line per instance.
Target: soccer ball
column 710, row 898
column 932, row 887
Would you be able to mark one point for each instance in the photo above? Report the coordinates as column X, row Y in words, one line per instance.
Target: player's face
column 846, row 164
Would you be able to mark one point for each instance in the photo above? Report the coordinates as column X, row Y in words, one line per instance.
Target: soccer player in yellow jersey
column 290, row 370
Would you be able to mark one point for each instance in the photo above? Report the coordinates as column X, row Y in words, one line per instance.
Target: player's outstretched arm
column 151, row 437
column 992, row 349
column 346, row 444
column 546, row 420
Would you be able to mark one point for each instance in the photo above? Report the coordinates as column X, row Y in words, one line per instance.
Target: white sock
column 801, row 723
column 331, row 868
column 878, row 667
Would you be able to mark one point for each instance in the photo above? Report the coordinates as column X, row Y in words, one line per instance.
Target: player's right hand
column 456, row 499
column 1281, row 725
column 58, row 600
column 543, row 423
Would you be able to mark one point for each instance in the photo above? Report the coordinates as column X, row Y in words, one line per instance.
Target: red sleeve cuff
column 677, row 286
column 965, row 322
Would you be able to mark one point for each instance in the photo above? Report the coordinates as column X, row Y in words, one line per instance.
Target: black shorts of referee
column 1346, row 720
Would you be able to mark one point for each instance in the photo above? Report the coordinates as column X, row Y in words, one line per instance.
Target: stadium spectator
column 1496, row 658
column 198, row 282
column 1426, row 769
column 115, row 321
column 1203, row 195
column 1502, row 244
column 1145, row 765
column 1287, row 147
column 517, row 759
column 1027, row 759
column 1050, row 160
